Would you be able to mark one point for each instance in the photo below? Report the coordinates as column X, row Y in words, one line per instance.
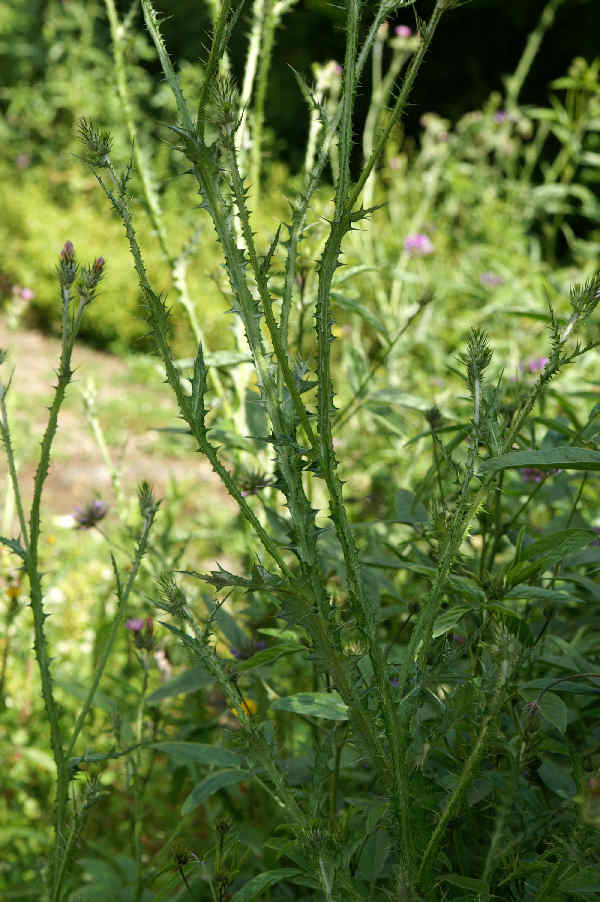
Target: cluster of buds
column 89, row 280
column 143, row 632
column 89, row 276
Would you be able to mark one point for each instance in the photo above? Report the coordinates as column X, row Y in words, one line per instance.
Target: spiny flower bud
column 67, row 268
column 89, row 280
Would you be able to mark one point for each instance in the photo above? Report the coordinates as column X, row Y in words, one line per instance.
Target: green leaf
column 538, row 593
column 199, row 753
column 211, row 784
column 257, row 884
column 14, row 545
column 314, row 704
column 557, row 545
column 373, row 855
column 472, row 883
column 586, row 881
column 449, row 619
column 564, row 457
column 188, row 681
column 554, row 710
column 354, row 306
column 557, row 778
column 408, row 509
column 269, row 655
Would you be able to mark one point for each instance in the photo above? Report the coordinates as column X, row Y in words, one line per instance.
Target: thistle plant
column 400, row 730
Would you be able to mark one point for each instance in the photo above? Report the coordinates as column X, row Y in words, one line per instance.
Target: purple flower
column 418, row 245
column 68, row 252
column 532, row 474
column 537, row 364
column 142, row 630
column 402, row 31
column 337, row 69
column 395, row 682
column 501, row 116
column 27, row 294
column 98, row 265
column 88, row 516
column 491, row 278
column 136, row 624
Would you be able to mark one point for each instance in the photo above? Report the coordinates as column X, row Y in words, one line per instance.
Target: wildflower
column 491, row 279
column 142, row 630
column 537, row 364
column 418, row 245
column 336, row 68
column 248, row 706
column 531, row 474
column 534, row 474
column 402, row 31
column 27, row 294
column 501, row 116
column 88, row 516
column 395, row 682
column 136, row 624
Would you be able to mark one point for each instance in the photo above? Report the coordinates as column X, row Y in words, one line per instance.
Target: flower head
column 532, row 474
column 491, row 279
column 27, row 294
column 136, row 624
column 142, row 629
column 88, row 516
column 418, row 245
column 402, row 31
column 501, row 116
column 537, row 364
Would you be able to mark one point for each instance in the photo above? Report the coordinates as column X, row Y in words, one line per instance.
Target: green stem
column 534, row 42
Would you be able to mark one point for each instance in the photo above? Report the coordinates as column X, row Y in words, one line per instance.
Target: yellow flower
column 248, row 705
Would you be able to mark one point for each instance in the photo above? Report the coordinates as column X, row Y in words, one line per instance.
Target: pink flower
column 537, row 364
column 418, row 245
column 501, row 116
column 402, row 31
column 136, row 624
column 27, row 294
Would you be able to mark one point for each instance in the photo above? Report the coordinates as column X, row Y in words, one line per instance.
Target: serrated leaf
column 269, row 655
column 189, row 681
column 408, row 510
column 449, row 619
column 254, row 887
column 314, row 704
column 563, row 457
column 14, row 545
column 557, row 545
column 199, row 753
column 211, row 784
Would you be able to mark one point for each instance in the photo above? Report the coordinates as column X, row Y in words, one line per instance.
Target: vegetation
column 387, row 688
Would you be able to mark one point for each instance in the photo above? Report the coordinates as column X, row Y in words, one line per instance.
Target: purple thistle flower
column 531, row 474
column 537, row 364
column 402, row 31
column 501, row 116
column 491, row 279
column 88, row 516
column 27, row 294
column 418, row 245
column 136, row 624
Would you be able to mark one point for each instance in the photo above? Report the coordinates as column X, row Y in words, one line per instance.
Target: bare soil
column 78, row 472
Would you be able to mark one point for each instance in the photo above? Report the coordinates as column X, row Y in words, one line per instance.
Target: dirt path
column 132, row 402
